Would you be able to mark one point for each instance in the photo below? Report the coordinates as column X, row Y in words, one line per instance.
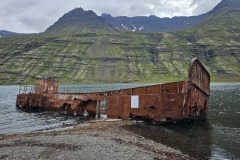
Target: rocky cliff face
column 80, row 21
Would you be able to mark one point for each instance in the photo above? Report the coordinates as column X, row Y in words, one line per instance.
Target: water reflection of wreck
column 194, row 138
column 160, row 102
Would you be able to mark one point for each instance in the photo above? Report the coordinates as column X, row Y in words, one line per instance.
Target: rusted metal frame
column 207, row 94
column 162, row 101
column 189, row 98
column 194, row 68
column 26, row 88
column 195, row 60
column 178, row 96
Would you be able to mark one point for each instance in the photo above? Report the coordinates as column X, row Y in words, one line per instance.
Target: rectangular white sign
column 134, row 101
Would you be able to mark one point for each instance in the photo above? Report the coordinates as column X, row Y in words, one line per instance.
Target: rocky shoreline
column 96, row 140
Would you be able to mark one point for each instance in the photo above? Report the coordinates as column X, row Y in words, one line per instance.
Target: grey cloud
column 140, row 10
column 29, row 16
column 200, row 6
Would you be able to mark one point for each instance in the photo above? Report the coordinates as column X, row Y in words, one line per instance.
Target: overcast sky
column 34, row 16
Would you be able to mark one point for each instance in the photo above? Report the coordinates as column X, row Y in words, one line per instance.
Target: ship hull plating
column 157, row 103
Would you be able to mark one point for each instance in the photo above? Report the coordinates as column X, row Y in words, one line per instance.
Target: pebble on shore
column 98, row 140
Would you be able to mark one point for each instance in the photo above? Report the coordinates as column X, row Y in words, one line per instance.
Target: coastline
column 97, row 140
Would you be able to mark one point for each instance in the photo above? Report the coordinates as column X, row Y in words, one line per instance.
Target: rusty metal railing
column 25, row 89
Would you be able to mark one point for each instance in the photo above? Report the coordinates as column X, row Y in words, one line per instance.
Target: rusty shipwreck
column 158, row 103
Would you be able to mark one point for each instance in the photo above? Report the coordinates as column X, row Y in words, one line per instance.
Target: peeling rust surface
column 158, row 103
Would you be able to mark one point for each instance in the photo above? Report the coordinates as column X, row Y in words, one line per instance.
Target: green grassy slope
column 125, row 56
column 217, row 40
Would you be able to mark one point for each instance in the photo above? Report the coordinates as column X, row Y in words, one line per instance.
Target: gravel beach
column 95, row 140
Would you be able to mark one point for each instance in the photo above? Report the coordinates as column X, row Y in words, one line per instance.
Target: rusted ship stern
column 158, row 103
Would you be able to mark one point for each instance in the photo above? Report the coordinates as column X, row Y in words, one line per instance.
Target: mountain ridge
column 153, row 24
column 79, row 21
column 234, row 4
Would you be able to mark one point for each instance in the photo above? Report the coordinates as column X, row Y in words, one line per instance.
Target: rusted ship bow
column 159, row 103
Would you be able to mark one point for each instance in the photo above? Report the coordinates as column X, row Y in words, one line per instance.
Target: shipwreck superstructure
column 159, row 103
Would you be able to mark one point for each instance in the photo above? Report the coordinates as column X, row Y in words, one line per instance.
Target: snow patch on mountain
column 124, row 27
column 141, row 28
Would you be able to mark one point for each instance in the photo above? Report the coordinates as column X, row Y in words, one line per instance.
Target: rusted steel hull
column 160, row 103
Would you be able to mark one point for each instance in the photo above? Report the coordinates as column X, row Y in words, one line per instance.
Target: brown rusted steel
column 161, row 102
column 45, row 85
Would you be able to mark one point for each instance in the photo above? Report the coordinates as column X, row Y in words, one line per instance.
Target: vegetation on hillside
column 125, row 56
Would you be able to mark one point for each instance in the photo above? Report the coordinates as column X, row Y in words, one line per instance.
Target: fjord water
column 13, row 120
column 217, row 137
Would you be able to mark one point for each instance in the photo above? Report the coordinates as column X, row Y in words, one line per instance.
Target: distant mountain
column 152, row 23
column 222, row 27
column 155, row 24
column 80, row 21
column 217, row 40
column 4, row 33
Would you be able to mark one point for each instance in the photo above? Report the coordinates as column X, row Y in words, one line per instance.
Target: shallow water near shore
column 217, row 137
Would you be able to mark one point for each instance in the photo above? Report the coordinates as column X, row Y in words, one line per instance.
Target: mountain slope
column 217, row 39
column 153, row 23
column 227, row 4
column 80, row 21
column 126, row 56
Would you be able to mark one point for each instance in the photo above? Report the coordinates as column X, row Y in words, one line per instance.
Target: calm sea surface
column 217, row 137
